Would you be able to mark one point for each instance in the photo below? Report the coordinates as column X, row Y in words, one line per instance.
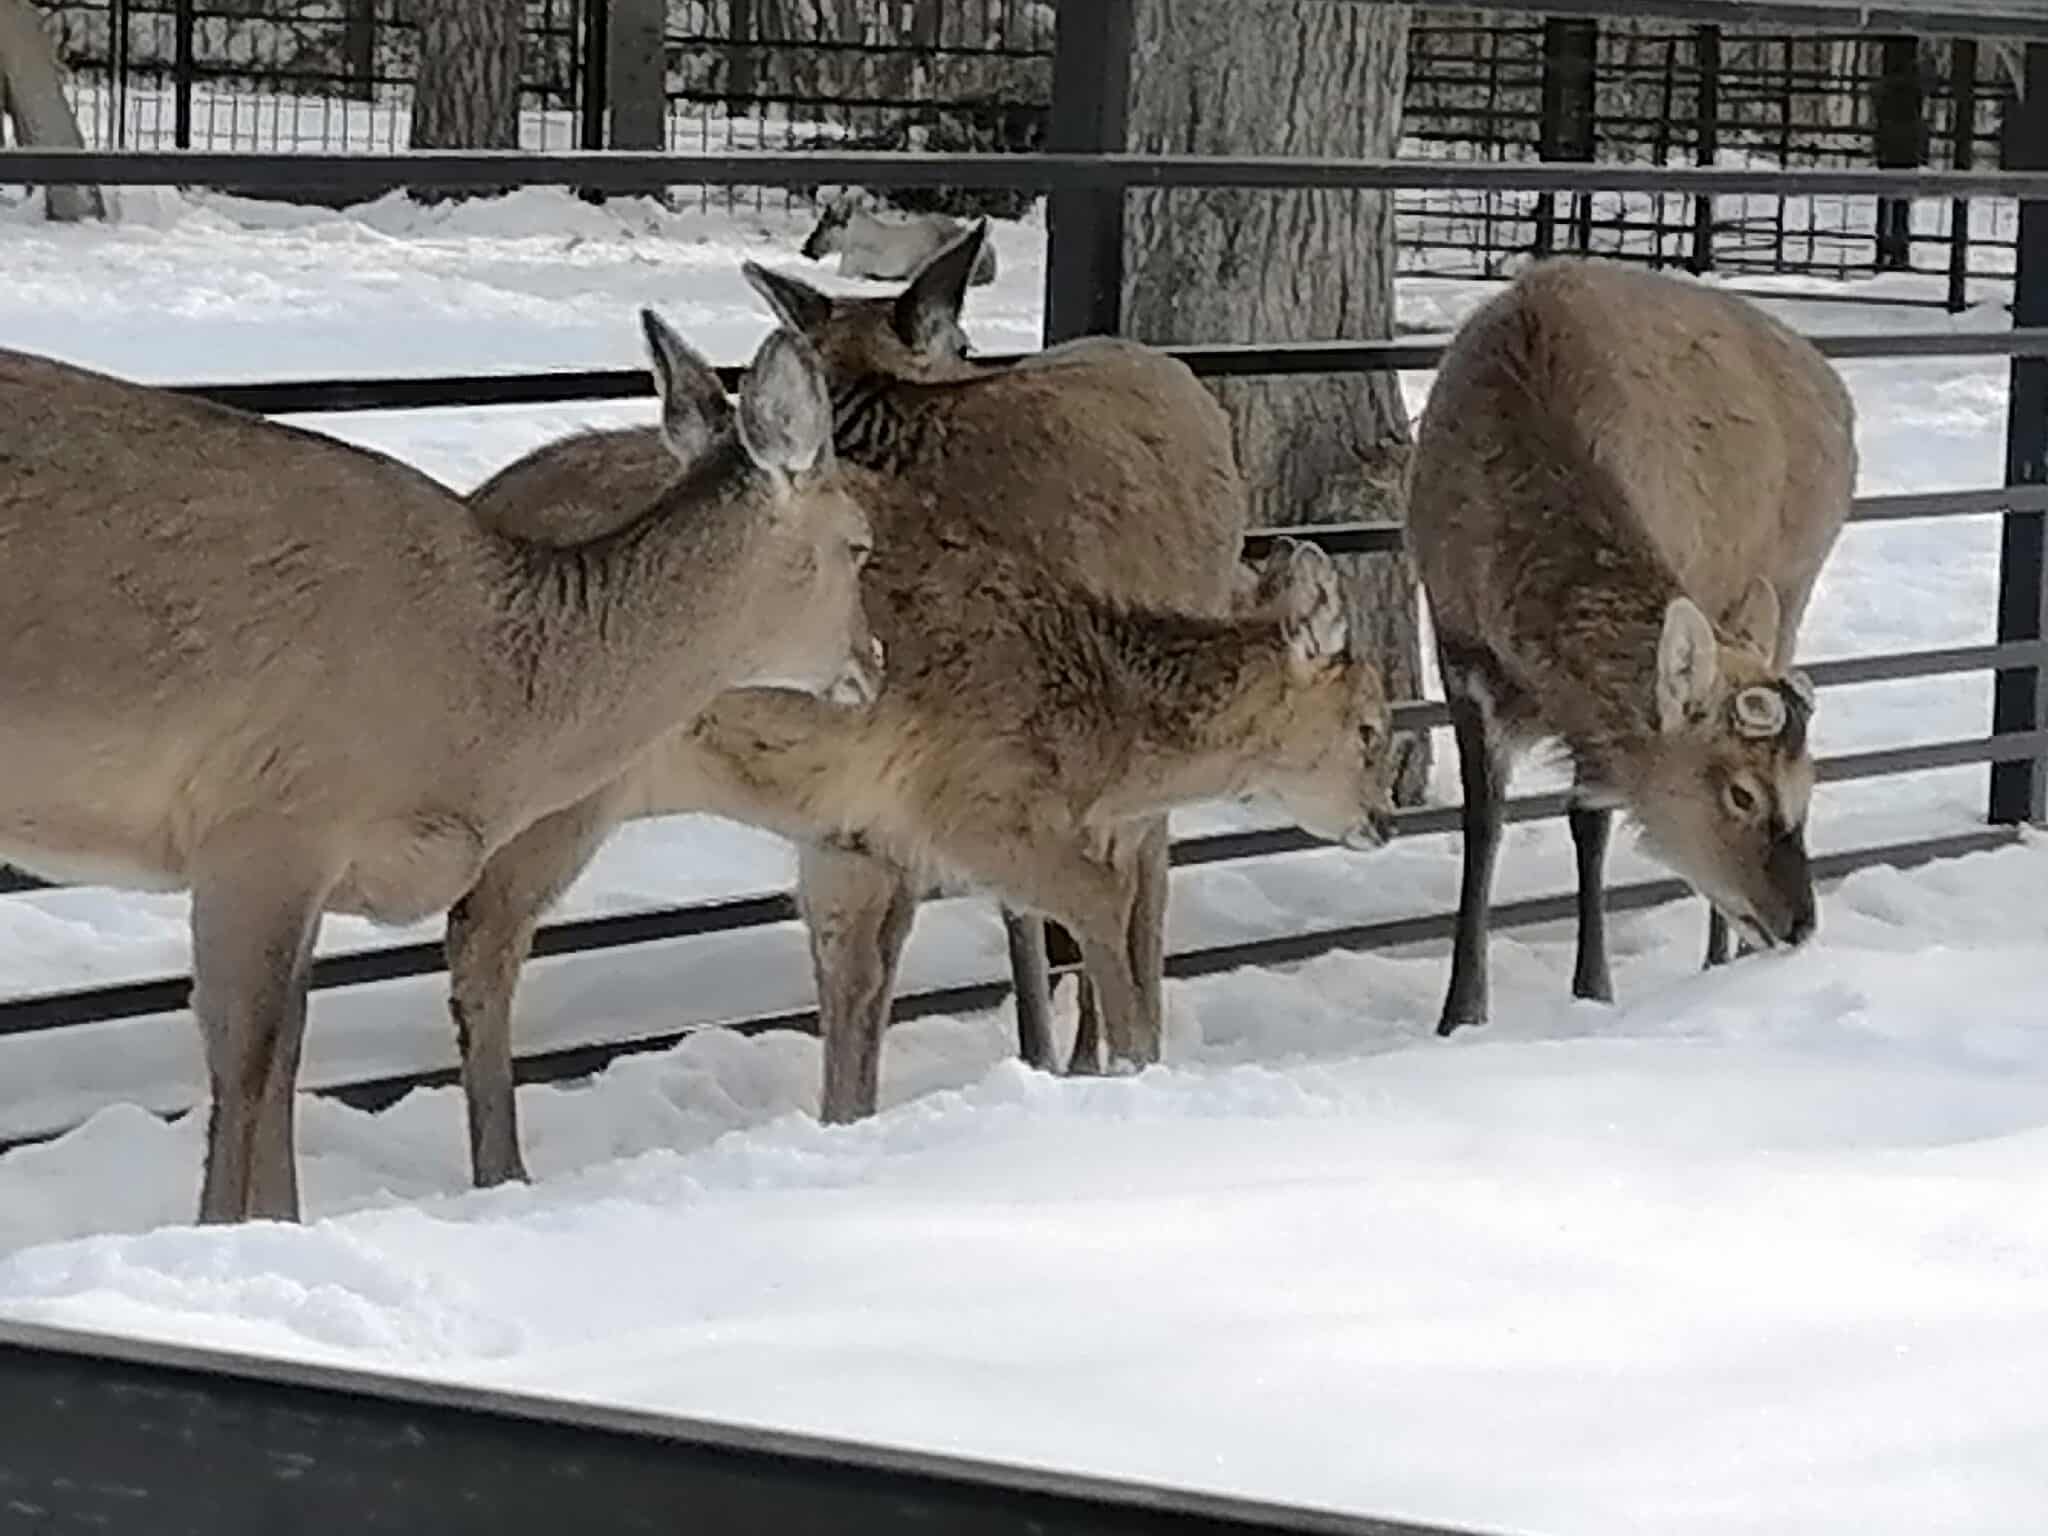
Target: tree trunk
column 32, row 83
column 1285, row 77
column 467, row 94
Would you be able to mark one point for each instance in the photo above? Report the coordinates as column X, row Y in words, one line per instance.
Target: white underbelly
column 89, row 867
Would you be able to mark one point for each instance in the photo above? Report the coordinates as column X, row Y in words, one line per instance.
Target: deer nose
column 1804, row 921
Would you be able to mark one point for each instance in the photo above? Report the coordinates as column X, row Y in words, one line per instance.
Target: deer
column 889, row 249
column 1019, row 757
column 1624, row 487
column 295, row 677
column 1101, row 465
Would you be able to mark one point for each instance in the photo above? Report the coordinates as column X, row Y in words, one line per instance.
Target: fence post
column 1900, row 103
column 1707, row 42
column 1570, row 49
column 596, row 66
column 638, row 86
column 181, row 72
column 117, row 62
column 2019, row 790
column 1962, row 76
column 359, row 45
column 1084, row 230
column 739, row 59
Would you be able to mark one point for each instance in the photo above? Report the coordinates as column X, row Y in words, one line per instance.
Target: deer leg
column 1482, row 772
column 1717, row 939
column 858, row 909
column 1151, row 864
column 1094, row 899
column 1031, row 984
column 255, row 916
column 490, row 935
column 1085, row 1060
column 1591, row 975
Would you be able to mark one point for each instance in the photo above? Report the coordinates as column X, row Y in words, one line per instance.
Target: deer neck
column 1594, row 618
column 617, row 639
column 1197, row 704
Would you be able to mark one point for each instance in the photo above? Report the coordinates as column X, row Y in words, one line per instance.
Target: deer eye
column 1742, row 800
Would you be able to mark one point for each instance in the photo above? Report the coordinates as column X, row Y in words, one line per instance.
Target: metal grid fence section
column 1665, row 93
column 976, row 75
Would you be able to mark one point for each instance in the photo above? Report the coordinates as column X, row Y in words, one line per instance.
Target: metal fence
column 1083, row 284
column 1664, row 93
column 976, row 75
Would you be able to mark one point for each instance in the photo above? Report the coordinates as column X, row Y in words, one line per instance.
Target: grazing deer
column 296, row 677
column 1623, row 489
column 889, row 249
column 1102, row 466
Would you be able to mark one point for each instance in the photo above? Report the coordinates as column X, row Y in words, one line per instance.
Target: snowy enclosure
column 1756, row 1251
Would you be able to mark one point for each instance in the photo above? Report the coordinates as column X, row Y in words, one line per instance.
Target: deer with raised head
column 890, row 250
column 297, row 677
column 1101, row 467
column 1623, row 489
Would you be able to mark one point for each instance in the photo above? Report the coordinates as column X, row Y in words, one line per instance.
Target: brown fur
column 296, row 677
column 1103, row 468
column 1603, row 442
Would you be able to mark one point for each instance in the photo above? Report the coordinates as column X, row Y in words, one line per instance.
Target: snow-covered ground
column 1761, row 1250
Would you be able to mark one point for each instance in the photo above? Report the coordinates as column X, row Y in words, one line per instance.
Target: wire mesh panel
column 282, row 75
column 1668, row 93
column 937, row 75
column 976, row 75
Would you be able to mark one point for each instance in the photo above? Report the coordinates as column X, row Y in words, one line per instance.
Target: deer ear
column 1311, row 602
column 785, row 409
column 796, row 303
column 927, row 313
column 694, row 411
column 1688, row 666
column 1753, row 620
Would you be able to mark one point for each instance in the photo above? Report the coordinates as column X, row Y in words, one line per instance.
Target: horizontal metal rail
column 127, row 1437
column 625, row 171
column 35, row 1013
column 1427, row 714
column 1934, row 20
column 582, row 1060
column 302, row 397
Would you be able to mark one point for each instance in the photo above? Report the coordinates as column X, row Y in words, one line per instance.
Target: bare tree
column 1285, row 77
column 32, row 82
column 467, row 92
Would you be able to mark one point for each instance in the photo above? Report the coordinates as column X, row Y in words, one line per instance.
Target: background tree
column 1285, row 77
column 32, row 83
column 466, row 94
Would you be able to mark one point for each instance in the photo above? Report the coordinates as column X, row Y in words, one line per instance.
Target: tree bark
column 32, row 84
column 467, row 93
column 1285, row 77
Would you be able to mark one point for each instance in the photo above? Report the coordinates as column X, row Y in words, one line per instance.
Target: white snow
column 1756, row 1251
